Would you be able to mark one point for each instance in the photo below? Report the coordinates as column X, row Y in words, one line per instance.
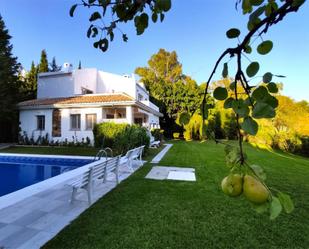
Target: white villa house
column 70, row 102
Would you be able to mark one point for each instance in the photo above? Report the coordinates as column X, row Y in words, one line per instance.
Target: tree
column 169, row 88
column 260, row 102
column 9, row 85
column 30, row 83
column 43, row 66
column 79, row 65
column 53, row 66
column 164, row 79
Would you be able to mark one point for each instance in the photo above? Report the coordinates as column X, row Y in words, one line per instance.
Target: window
column 140, row 97
column 40, row 122
column 75, row 121
column 91, row 120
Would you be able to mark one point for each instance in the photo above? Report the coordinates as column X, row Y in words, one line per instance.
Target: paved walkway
column 5, row 145
column 162, row 153
column 32, row 222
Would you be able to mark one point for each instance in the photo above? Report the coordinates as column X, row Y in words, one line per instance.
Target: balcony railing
column 150, row 104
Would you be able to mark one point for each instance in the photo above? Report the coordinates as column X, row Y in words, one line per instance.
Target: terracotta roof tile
column 78, row 100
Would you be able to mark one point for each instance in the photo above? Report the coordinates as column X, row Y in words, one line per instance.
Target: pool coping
column 19, row 195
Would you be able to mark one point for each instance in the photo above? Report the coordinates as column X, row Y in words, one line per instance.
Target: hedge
column 120, row 137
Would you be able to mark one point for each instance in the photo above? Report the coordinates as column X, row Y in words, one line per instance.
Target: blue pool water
column 17, row 172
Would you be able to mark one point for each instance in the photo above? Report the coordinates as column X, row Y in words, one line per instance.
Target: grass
column 143, row 213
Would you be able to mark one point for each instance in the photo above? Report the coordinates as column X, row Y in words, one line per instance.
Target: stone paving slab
column 162, row 153
column 162, row 172
column 32, row 222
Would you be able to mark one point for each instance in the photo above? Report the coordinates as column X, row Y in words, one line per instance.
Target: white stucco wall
column 86, row 78
column 53, row 86
column 109, row 83
column 141, row 91
column 28, row 123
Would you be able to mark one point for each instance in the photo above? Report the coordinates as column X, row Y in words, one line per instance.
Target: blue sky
column 194, row 29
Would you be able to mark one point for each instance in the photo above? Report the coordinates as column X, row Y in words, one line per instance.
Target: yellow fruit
column 254, row 190
column 232, row 185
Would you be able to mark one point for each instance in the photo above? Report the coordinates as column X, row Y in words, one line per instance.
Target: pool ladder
column 103, row 152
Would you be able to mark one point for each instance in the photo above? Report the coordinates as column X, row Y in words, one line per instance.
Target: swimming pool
column 17, row 172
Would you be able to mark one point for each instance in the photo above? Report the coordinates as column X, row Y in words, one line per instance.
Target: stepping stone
column 181, row 176
column 171, row 173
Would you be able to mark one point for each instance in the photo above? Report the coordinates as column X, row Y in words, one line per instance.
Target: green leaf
column 272, row 101
column 233, row 156
column 232, row 33
column 265, row 47
column 72, row 10
column 267, row 77
column 260, row 93
column 228, row 103
column 154, row 17
column 91, row 1
column 184, row 118
column 225, row 70
column 259, row 11
column 250, row 126
column 275, row 208
column 297, row 3
column 161, row 17
column 124, row 37
column 263, row 110
column 256, row 2
column 286, row 202
column 246, row 6
column 253, row 68
column 164, row 5
column 103, row 44
column 272, row 87
column 248, row 49
column 220, row 93
column 228, row 148
column 261, row 208
column 233, row 85
column 253, row 22
column 89, row 30
column 258, row 170
column 96, row 15
column 240, row 107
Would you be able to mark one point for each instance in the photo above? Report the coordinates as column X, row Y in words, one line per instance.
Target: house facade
column 70, row 102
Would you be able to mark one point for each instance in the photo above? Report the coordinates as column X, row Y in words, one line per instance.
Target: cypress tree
column 43, row 66
column 79, row 65
column 9, row 85
column 53, row 66
column 31, row 82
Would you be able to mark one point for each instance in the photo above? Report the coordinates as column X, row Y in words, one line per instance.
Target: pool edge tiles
column 14, row 197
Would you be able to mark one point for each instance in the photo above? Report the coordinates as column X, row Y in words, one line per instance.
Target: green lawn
column 142, row 213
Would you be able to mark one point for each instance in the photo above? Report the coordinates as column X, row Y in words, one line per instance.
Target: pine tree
column 53, row 66
column 9, row 85
column 79, row 65
column 43, row 66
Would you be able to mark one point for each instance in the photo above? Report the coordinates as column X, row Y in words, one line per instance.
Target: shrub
column 194, row 129
column 176, row 135
column 120, row 137
column 157, row 134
